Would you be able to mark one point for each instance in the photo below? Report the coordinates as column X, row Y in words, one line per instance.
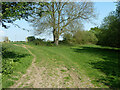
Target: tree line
column 108, row 33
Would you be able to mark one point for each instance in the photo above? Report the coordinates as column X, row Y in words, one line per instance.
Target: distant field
column 98, row 63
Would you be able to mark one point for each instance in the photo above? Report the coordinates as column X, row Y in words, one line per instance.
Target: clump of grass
column 66, row 79
column 63, row 70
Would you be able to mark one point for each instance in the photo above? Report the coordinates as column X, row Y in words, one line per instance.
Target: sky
column 16, row 34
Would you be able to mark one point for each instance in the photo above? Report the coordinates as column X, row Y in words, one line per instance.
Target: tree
column 67, row 38
column 84, row 37
column 62, row 16
column 110, row 29
column 96, row 31
column 12, row 11
column 118, row 10
column 30, row 38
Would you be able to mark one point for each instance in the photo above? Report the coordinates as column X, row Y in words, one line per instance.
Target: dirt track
column 49, row 77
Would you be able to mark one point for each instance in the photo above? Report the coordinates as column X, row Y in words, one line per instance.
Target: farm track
column 50, row 77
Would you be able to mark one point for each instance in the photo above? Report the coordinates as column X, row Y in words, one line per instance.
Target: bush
column 108, row 33
column 7, row 64
column 80, row 37
column 67, row 38
column 42, row 42
column 91, row 38
column 37, row 42
column 31, row 38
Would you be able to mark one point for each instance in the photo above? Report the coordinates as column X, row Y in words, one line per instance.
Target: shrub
column 80, row 37
column 7, row 64
column 67, row 38
column 31, row 38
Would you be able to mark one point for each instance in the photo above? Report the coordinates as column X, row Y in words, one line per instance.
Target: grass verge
column 15, row 61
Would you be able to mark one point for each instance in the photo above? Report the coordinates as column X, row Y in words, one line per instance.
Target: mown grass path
column 47, row 76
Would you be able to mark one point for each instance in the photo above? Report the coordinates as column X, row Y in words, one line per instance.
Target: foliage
column 7, row 67
column 80, row 37
column 41, row 42
column 62, row 16
column 59, row 16
column 15, row 60
column 85, row 37
column 109, row 31
column 67, row 38
column 96, row 31
column 38, row 42
column 12, row 11
column 30, row 38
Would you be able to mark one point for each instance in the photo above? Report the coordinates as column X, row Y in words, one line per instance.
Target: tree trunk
column 55, row 33
column 55, row 37
column 56, row 41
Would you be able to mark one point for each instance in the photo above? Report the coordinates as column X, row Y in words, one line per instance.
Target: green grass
column 100, row 64
column 16, row 59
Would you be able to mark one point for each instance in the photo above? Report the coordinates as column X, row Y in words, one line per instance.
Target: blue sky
column 17, row 34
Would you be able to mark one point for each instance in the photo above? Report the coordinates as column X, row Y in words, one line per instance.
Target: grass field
column 16, row 61
column 98, row 63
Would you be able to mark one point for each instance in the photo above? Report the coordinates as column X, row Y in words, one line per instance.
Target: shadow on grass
column 10, row 54
column 109, row 65
column 9, row 60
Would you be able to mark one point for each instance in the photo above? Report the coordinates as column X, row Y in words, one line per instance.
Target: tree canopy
column 62, row 16
column 12, row 11
column 58, row 16
column 109, row 31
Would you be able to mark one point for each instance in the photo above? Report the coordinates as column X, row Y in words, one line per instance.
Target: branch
column 20, row 27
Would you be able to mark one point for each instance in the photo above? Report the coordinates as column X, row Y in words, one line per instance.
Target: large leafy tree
column 62, row 16
column 58, row 16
